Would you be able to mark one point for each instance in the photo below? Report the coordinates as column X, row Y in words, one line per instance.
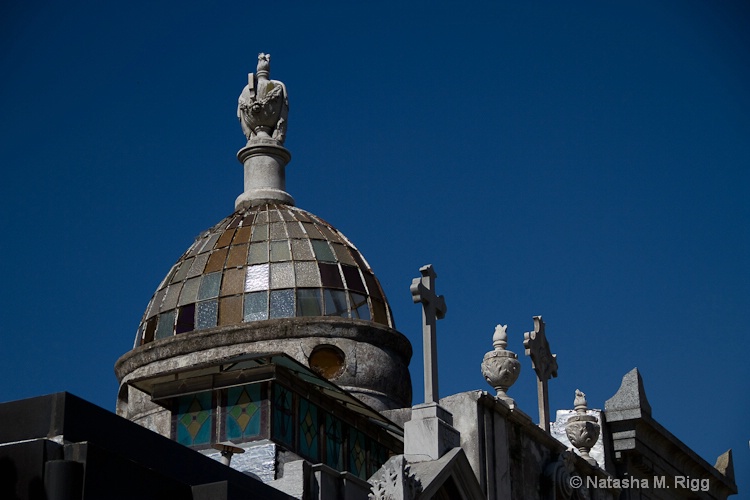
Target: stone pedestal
column 430, row 433
column 264, row 163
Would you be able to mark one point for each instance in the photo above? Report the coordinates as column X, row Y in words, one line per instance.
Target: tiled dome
column 263, row 262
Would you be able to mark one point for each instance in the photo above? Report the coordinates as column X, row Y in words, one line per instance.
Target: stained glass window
column 185, row 319
column 357, row 453
column 335, row 303
column 283, row 415
column 378, row 456
column 282, row 304
column 309, row 302
column 334, row 443
column 166, row 325
column 308, row 429
column 281, row 251
column 256, row 306
column 242, row 413
column 194, row 419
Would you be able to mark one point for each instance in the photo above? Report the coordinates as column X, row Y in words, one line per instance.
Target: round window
column 327, row 361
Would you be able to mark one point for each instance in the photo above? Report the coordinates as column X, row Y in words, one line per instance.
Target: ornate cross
column 544, row 364
column 433, row 309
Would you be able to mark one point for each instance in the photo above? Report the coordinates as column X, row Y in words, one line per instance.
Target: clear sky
column 582, row 161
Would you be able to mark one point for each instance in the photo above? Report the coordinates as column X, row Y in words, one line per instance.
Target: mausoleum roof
column 266, row 261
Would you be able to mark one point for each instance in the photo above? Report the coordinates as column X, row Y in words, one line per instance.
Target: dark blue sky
column 586, row 162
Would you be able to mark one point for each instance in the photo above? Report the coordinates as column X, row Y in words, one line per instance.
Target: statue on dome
column 263, row 105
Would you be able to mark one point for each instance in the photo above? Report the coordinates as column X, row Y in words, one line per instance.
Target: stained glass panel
column 237, row 256
column 256, row 306
column 170, row 301
column 194, row 419
column 209, row 286
column 309, row 302
column 283, row 421
column 165, row 327
column 280, row 251
column 199, row 264
column 233, row 282
column 185, row 319
column 257, row 278
column 230, row 310
column 334, row 443
column 302, row 250
column 322, row 251
column 225, row 239
column 295, row 230
column 282, row 304
column 353, row 279
column 308, row 429
column 216, row 260
column 258, row 253
column 282, row 275
column 189, row 291
column 260, row 232
column 242, row 413
column 360, row 309
column 329, row 274
column 278, row 231
column 307, row 274
column 335, row 303
column 181, row 273
column 357, row 453
column 205, row 317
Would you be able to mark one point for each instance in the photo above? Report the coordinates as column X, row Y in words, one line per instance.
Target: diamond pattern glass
column 242, row 413
column 194, row 419
column 308, row 429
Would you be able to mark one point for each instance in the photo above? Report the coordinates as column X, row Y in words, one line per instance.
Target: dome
column 268, row 279
column 264, row 262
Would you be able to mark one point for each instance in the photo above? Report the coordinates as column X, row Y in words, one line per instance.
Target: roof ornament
column 433, row 309
column 501, row 366
column 544, row 364
column 263, row 105
column 262, row 108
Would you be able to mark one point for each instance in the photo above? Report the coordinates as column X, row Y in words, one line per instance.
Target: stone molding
column 273, row 329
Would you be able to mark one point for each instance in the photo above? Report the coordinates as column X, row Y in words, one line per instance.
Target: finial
column 500, row 338
column 583, row 429
column 501, row 367
column 263, row 108
column 579, row 403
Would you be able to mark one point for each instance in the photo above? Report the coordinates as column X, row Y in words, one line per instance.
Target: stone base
column 430, row 433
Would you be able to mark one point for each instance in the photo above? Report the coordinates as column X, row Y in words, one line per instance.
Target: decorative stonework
column 433, row 308
column 501, row 366
column 395, row 481
column 558, row 475
column 262, row 109
column 544, row 364
column 582, row 429
column 263, row 105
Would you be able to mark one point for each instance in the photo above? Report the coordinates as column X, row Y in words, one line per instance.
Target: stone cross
column 544, row 364
column 433, row 309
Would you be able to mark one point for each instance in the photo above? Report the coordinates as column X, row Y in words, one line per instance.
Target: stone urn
column 582, row 429
column 501, row 367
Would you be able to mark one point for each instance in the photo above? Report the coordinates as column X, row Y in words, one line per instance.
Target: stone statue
column 263, row 105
